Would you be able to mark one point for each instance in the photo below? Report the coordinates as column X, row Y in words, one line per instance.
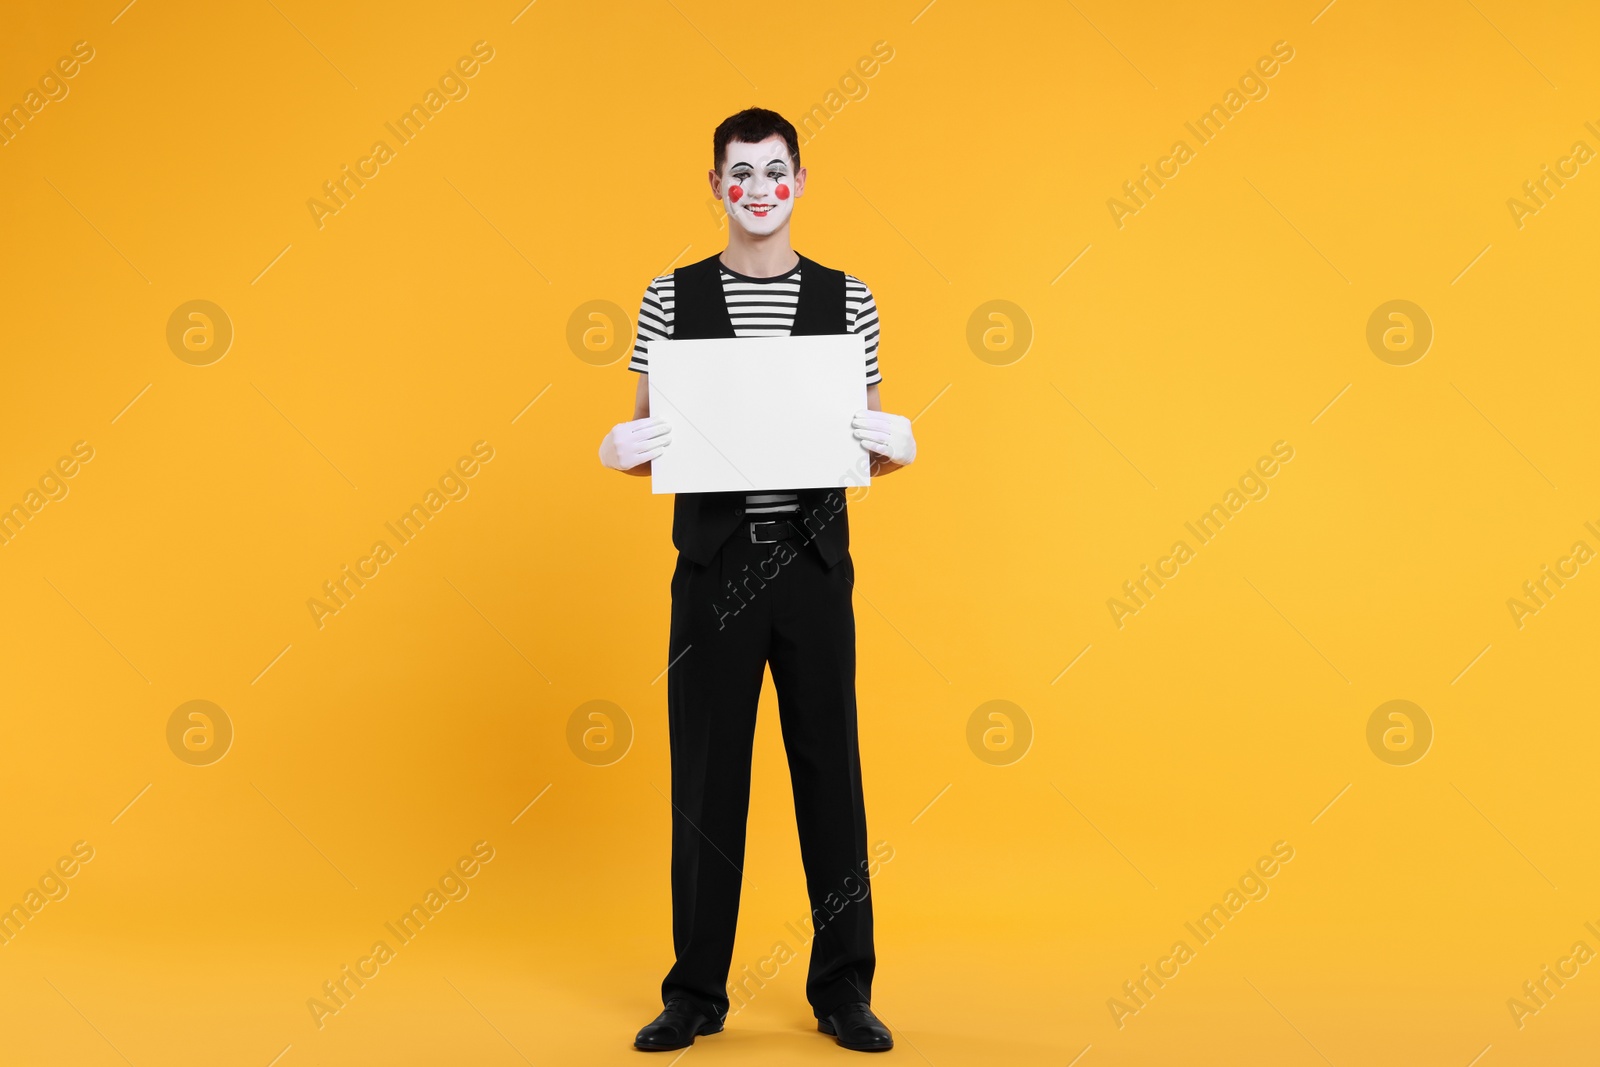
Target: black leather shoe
column 676, row 1027
column 855, row 1027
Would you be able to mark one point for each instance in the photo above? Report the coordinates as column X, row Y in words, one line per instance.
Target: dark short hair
column 752, row 126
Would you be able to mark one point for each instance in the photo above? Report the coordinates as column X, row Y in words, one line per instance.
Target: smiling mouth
column 760, row 210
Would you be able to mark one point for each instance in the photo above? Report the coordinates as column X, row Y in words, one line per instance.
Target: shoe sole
column 825, row 1027
column 702, row 1032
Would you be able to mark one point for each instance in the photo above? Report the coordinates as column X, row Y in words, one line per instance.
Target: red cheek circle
column 735, row 192
column 782, row 191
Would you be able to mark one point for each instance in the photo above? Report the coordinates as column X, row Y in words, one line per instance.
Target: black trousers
column 755, row 605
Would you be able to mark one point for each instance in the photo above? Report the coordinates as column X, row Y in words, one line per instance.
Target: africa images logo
column 452, row 86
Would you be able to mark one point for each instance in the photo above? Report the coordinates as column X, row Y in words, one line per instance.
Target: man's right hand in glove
column 630, row 446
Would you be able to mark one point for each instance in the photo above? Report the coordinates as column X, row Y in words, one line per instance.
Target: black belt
column 765, row 531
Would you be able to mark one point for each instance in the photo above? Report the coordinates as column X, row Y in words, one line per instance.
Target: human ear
column 800, row 182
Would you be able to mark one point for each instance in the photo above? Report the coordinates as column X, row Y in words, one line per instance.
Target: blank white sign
column 759, row 413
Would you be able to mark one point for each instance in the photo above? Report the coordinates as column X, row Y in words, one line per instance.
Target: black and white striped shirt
column 759, row 307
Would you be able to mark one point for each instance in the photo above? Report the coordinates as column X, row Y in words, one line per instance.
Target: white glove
column 885, row 434
column 632, row 443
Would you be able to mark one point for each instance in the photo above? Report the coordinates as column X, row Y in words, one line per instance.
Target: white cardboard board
column 759, row 413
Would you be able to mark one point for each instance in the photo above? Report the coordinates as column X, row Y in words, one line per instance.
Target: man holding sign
column 764, row 576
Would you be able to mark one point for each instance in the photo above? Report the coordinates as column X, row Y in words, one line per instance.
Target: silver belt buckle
column 763, row 522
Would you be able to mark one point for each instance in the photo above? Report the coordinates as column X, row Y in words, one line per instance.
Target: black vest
column 701, row 522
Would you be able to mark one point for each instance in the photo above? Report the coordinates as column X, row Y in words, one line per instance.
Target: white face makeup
column 759, row 185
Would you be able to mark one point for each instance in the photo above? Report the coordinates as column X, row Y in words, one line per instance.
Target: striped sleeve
column 655, row 321
column 864, row 320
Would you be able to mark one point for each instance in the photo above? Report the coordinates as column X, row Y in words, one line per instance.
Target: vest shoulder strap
column 823, row 307
column 699, row 309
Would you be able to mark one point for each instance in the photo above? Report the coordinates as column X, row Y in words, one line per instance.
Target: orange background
column 429, row 313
